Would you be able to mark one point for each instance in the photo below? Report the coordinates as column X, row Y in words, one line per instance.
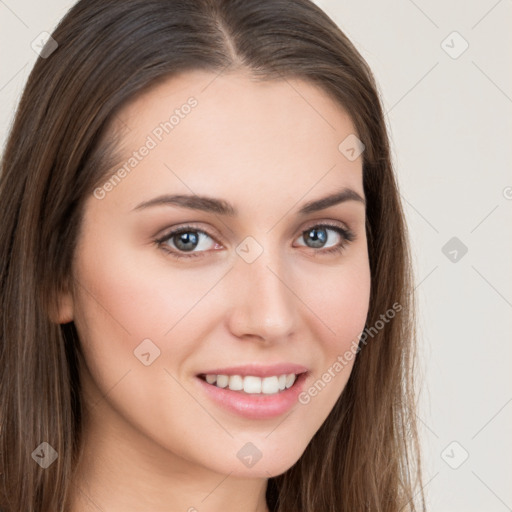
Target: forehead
column 238, row 100
column 214, row 134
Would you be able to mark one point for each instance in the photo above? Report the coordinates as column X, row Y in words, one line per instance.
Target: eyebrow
column 222, row 207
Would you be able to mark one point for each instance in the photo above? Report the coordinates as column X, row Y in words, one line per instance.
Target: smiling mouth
column 251, row 384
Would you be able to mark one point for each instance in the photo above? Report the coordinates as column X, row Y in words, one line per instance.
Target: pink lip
column 255, row 406
column 258, row 370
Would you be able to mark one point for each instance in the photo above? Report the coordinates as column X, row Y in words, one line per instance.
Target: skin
column 152, row 439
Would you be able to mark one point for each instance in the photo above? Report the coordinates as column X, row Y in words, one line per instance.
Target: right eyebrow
column 194, row 202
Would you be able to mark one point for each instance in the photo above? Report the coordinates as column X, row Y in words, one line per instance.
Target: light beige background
column 451, row 128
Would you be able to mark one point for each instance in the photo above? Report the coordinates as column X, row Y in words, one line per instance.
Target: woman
column 205, row 281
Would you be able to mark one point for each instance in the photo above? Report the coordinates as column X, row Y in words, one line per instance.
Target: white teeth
column 222, row 381
column 251, row 384
column 211, row 379
column 270, row 385
column 236, row 383
column 290, row 379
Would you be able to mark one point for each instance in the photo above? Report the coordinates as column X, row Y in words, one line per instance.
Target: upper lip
column 258, row 370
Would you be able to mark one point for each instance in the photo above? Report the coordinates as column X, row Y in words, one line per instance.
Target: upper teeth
column 252, row 384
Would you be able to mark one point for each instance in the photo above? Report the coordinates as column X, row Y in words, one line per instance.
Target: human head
column 49, row 180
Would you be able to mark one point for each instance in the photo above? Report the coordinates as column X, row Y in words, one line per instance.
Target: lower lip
column 255, row 406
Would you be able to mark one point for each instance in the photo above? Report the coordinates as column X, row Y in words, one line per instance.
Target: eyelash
column 347, row 236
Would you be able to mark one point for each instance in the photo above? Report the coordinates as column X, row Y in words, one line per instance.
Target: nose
column 263, row 303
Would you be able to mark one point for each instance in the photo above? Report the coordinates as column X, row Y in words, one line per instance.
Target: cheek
column 122, row 303
column 339, row 297
column 349, row 311
column 135, row 296
column 337, row 318
column 128, row 300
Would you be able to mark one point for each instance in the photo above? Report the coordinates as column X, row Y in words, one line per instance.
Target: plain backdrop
column 445, row 75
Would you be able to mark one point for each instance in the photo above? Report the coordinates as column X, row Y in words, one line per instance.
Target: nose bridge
column 264, row 303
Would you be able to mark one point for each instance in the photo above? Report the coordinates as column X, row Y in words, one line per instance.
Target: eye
column 185, row 240
column 318, row 236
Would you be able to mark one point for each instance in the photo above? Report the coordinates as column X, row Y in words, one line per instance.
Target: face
column 243, row 290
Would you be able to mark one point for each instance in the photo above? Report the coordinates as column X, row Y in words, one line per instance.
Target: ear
column 62, row 312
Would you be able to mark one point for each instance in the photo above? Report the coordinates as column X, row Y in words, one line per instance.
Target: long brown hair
column 366, row 454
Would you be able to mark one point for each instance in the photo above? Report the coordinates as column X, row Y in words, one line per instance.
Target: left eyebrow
column 346, row 194
column 222, row 207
